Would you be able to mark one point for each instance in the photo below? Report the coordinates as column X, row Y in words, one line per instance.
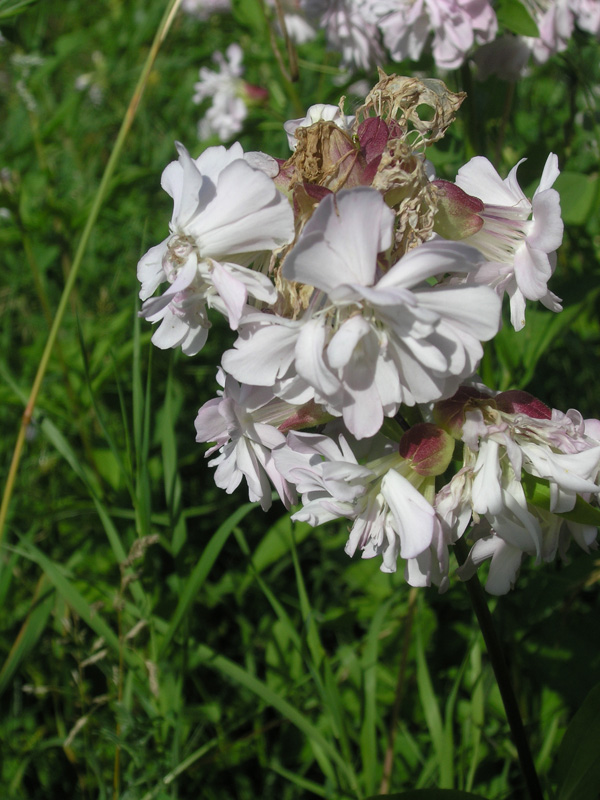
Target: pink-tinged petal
column 547, row 230
column 336, row 247
column 479, row 178
column 257, row 285
column 487, row 496
column 429, row 356
column 575, row 472
column 362, row 414
column 232, row 292
column 550, row 300
column 418, row 385
column 413, row 515
column 506, row 561
column 513, row 184
column 153, row 309
column 150, row 270
column 388, row 384
column 532, row 272
column 183, row 181
column 549, row 175
column 212, row 161
column 309, row 358
column 171, row 331
column 210, row 425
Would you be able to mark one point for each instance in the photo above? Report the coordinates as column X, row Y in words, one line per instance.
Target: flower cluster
column 229, row 93
column 361, row 290
column 366, row 32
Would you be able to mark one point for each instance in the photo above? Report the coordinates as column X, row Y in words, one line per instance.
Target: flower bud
column 307, row 416
column 428, row 448
column 450, row 413
column 518, row 402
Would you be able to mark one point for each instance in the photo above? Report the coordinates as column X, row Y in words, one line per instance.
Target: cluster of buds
column 361, row 289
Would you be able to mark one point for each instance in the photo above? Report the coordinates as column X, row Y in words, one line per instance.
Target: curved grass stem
column 159, row 38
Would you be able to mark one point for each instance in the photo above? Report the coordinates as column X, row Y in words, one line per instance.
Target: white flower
column 243, row 422
column 202, row 9
column 554, row 19
column 391, row 517
column 348, row 31
column 503, row 445
column 225, row 212
column 371, row 341
column 228, row 111
column 587, row 13
column 317, row 113
column 518, row 238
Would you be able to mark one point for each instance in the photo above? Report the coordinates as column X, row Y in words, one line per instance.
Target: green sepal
column 537, row 493
column 392, row 429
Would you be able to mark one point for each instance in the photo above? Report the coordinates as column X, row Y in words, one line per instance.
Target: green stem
column 494, row 648
column 161, row 33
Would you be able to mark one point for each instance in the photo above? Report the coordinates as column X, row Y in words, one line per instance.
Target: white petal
column 309, row 358
column 232, row 291
column 247, row 215
column 548, row 227
column 413, row 515
column 150, row 270
column 479, row 179
column 431, row 258
column 336, row 247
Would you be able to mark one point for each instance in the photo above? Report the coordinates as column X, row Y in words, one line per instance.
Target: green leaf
column 578, row 196
column 578, row 761
column 208, row 658
column 513, row 16
column 429, row 701
column 537, row 492
column 31, row 630
column 201, row 571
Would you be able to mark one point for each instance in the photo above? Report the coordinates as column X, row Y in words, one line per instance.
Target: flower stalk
column 495, row 652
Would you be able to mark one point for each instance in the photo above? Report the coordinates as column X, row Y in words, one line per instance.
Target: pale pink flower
column 587, row 15
column 225, row 212
column 456, row 25
column 518, row 237
column 317, row 113
column 509, row 441
column 348, row 31
column 384, row 499
column 226, row 115
column 555, row 22
column 243, row 422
